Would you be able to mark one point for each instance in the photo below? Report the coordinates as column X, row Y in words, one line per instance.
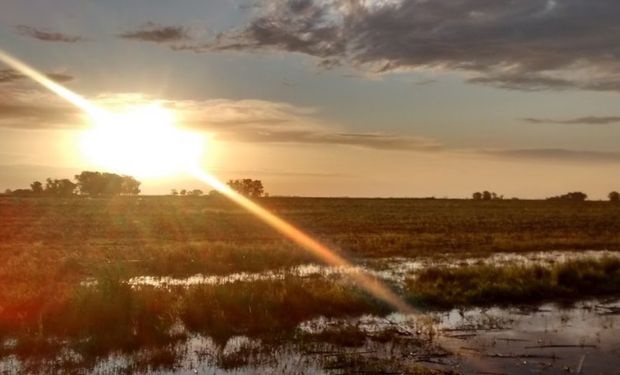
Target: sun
column 143, row 141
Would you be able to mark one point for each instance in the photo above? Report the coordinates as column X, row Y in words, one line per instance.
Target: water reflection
column 547, row 339
column 393, row 270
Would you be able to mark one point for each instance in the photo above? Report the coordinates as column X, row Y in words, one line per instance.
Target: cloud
column 258, row 121
column 152, row 32
column 46, row 35
column 11, row 75
column 589, row 120
column 557, row 154
column 34, row 109
column 525, row 45
column 254, row 121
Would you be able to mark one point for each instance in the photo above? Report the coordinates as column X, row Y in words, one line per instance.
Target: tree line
column 94, row 184
column 575, row 196
column 246, row 186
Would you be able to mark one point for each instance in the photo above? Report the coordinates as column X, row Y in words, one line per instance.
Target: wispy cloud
column 155, row 33
column 589, row 120
column 254, row 121
column 47, row 35
column 524, row 45
column 259, row 121
column 262, row 122
column 33, row 109
column 557, row 154
column 11, row 75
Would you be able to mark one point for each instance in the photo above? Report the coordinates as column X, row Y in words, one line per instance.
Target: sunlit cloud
column 265, row 122
column 251, row 121
column 34, row 109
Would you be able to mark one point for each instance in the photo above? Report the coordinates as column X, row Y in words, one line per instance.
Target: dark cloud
column 525, row 81
column 558, row 154
column 525, row 45
column 590, row 120
column 11, row 75
column 152, row 32
column 47, row 36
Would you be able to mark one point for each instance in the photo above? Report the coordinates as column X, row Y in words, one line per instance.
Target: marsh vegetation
column 171, row 283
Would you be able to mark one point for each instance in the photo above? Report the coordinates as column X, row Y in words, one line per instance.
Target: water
column 549, row 339
column 393, row 270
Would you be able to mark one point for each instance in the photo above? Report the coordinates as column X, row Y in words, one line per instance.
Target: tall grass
column 270, row 308
column 514, row 284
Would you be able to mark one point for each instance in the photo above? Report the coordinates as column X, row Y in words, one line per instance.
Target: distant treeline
column 576, row 196
column 247, row 187
column 86, row 183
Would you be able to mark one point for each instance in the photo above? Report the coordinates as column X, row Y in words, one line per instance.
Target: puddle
column 584, row 338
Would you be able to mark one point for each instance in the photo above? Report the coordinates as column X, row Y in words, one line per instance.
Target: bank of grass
column 110, row 315
column 271, row 309
column 484, row 285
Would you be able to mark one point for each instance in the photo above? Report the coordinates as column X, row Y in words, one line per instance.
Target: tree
column 183, row 192
column 195, row 193
column 36, row 187
column 575, row 196
column 486, row 195
column 614, row 196
column 60, row 188
column 174, row 192
column 130, row 186
column 248, row 187
column 215, row 194
column 477, row 196
column 106, row 184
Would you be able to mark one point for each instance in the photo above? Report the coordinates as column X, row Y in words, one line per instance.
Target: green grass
column 514, row 284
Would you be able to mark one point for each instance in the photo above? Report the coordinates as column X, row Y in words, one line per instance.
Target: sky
column 373, row 98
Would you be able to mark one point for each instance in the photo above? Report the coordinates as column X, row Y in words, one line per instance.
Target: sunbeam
column 372, row 285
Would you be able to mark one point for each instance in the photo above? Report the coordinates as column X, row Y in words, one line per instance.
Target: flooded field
column 184, row 286
column 395, row 270
column 548, row 339
column 575, row 337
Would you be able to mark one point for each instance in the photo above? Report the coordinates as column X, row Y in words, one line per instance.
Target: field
column 95, row 277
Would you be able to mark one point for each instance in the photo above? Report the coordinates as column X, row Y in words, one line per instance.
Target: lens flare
column 372, row 285
column 54, row 87
column 102, row 117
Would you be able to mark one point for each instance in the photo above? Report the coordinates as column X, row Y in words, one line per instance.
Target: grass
column 270, row 308
column 50, row 245
column 111, row 315
column 514, row 284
